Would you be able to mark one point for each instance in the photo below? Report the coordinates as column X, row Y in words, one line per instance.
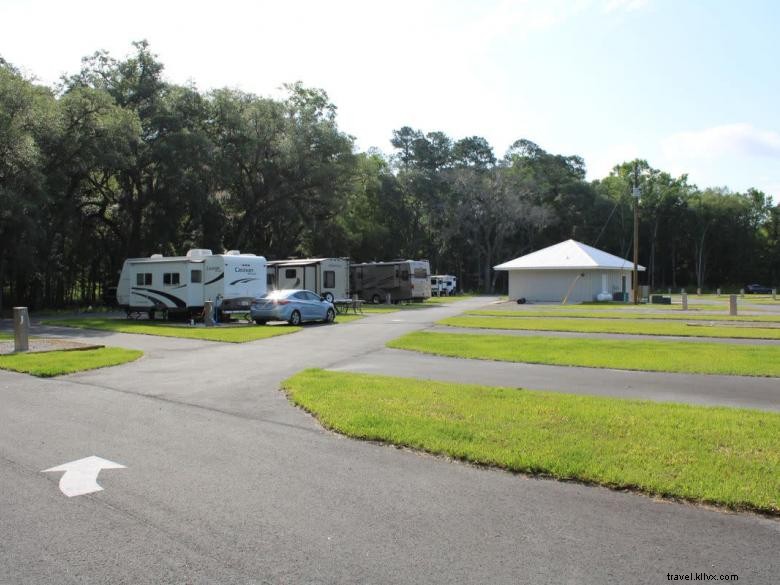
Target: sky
column 690, row 85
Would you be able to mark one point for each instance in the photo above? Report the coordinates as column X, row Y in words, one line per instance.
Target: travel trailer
column 328, row 277
column 179, row 285
column 403, row 280
column 443, row 285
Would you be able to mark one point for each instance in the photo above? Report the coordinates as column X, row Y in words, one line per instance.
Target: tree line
column 115, row 162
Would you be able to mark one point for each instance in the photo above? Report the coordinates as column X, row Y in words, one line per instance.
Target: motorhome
column 402, row 280
column 179, row 285
column 443, row 285
column 328, row 277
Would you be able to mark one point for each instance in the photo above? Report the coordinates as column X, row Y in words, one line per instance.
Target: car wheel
column 260, row 321
column 328, row 297
column 376, row 300
column 330, row 316
column 295, row 318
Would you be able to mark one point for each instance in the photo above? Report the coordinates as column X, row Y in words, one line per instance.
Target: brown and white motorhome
column 328, row 277
column 403, row 280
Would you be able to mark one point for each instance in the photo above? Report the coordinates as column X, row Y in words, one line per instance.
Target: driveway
column 226, row 482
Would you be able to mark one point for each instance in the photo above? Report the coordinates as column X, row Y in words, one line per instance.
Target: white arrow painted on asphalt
column 80, row 476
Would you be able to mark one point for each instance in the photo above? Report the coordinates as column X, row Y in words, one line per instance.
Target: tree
column 492, row 207
column 26, row 115
column 285, row 167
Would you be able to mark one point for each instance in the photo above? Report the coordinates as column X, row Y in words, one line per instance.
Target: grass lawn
column 724, row 456
column 369, row 309
column 652, row 356
column 348, row 318
column 56, row 363
column 446, row 300
column 604, row 325
column 234, row 334
column 4, row 335
column 639, row 314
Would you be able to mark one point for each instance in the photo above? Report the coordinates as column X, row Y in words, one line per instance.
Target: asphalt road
column 226, row 482
column 735, row 391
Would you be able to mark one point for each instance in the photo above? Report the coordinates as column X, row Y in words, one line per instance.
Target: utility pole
column 636, row 192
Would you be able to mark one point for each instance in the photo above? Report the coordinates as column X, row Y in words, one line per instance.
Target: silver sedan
column 292, row 305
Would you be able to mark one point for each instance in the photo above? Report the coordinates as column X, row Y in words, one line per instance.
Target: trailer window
column 329, row 278
column 171, row 278
column 196, row 276
column 143, row 279
column 420, row 273
column 404, row 275
column 269, row 279
column 290, row 273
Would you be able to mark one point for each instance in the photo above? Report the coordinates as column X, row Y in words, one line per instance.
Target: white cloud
column 741, row 140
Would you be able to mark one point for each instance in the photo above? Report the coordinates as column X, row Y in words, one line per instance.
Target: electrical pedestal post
column 21, row 329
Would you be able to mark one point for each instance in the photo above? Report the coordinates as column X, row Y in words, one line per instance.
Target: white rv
column 179, row 285
column 443, row 285
column 328, row 277
column 403, row 280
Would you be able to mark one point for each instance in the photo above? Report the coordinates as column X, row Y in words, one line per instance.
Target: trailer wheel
column 330, row 316
column 295, row 318
column 376, row 300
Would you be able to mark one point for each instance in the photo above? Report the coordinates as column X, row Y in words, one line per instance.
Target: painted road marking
column 80, row 476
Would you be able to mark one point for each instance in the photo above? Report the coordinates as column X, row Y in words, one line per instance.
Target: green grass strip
column 57, row 363
column 232, row 334
column 724, row 456
column 623, row 326
column 629, row 354
column 639, row 314
column 447, row 300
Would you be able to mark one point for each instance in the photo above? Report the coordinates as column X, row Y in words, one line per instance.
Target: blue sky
column 692, row 86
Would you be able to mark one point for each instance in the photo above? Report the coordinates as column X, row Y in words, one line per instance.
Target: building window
column 196, row 276
column 143, row 279
column 290, row 273
column 329, row 276
column 171, row 278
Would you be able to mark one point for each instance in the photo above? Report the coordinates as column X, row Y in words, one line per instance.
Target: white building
column 568, row 271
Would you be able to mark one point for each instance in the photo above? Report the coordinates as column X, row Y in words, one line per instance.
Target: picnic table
column 343, row 306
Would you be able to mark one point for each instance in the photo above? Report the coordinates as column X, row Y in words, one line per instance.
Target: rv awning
column 297, row 262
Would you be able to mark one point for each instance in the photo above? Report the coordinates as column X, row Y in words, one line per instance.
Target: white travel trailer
column 179, row 285
column 328, row 277
column 443, row 285
column 403, row 280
